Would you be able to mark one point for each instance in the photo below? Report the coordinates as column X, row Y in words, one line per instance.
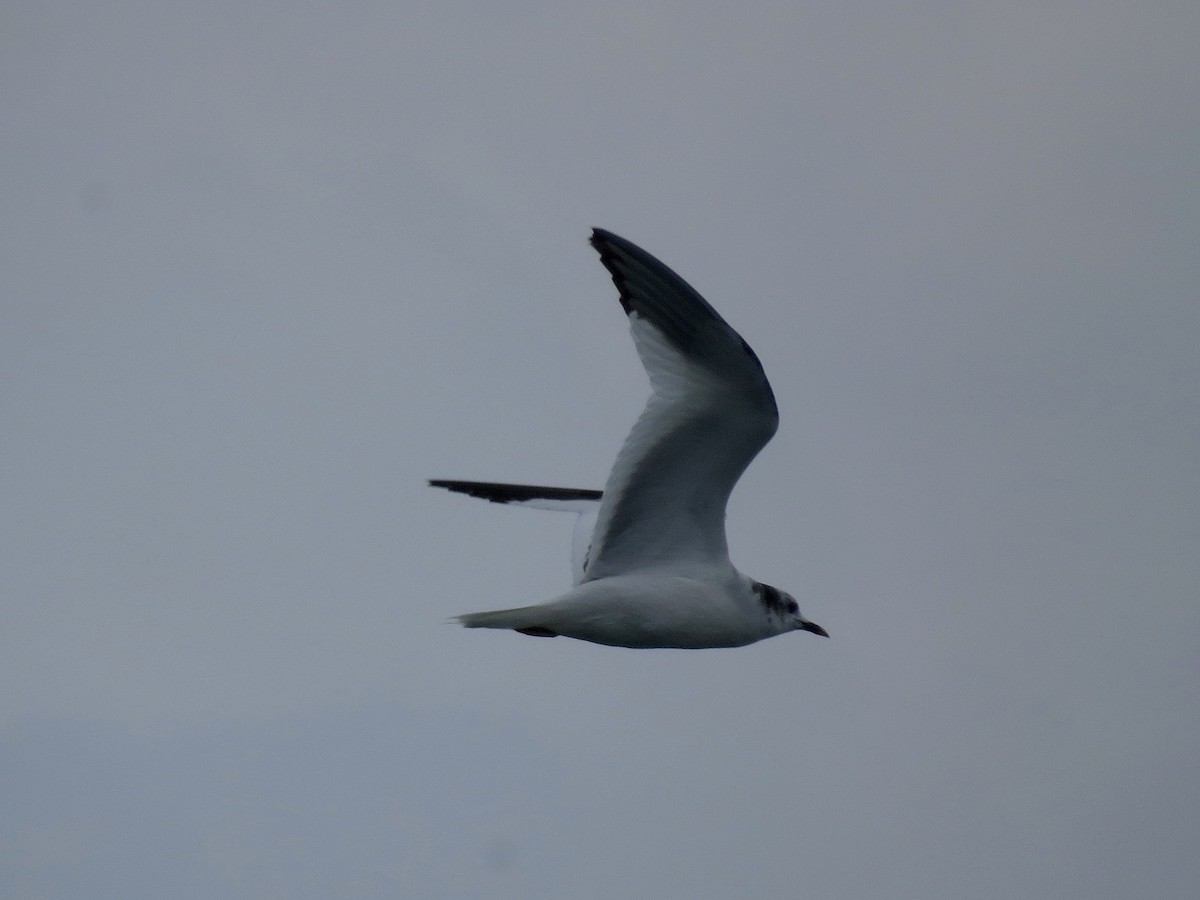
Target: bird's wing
column 537, row 496
column 711, row 410
column 581, row 501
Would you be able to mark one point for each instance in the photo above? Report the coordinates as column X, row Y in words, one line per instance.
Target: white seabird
column 651, row 563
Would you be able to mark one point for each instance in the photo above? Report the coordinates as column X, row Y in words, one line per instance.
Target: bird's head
column 796, row 620
column 782, row 604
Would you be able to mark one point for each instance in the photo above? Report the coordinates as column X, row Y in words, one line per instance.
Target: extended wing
column 581, row 501
column 711, row 411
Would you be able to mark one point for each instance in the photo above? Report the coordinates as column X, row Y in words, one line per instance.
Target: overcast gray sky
column 266, row 267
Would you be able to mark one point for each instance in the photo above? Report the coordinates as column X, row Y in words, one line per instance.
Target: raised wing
column 711, row 411
column 581, row 501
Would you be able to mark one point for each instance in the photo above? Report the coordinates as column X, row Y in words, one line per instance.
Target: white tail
column 524, row 619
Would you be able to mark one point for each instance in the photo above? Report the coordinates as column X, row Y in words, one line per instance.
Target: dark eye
column 792, row 607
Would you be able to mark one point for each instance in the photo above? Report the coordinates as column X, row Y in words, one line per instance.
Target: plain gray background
column 266, row 267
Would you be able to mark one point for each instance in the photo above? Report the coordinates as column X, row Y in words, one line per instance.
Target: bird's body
column 651, row 563
column 647, row 609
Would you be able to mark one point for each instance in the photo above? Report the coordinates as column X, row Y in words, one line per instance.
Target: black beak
column 814, row 628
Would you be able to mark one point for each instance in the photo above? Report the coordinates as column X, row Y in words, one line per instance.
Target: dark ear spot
column 770, row 597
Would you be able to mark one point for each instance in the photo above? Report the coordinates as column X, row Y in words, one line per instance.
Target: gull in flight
column 651, row 564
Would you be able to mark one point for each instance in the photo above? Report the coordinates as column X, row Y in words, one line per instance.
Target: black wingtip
column 498, row 492
column 606, row 244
